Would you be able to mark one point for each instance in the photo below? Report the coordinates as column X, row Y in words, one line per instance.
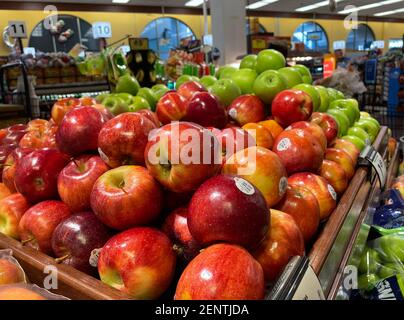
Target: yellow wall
column 133, row 23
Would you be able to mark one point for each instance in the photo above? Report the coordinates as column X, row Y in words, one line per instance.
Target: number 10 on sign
column 102, row 30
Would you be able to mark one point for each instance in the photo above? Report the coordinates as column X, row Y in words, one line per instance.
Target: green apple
column 249, row 62
column 139, row 103
column 304, row 72
column 369, row 126
column 370, row 261
column 365, row 114
column 268, row 84
column 372, row 120
column 390, row 269
column 128, row 84
column 150, row 96
column 367, row 281
column 225, row 72
column 226, row 90
column 342, row 120
column 349, row 106
column 185, row 78
column 292, row 76
column 324, row 97
column 358, row 142
column 245, row 78
column 333, row 94
column 393, row 247
column 270, row 59
column 159, row 90
column 115, row 105
column 208, row 81
column 360, row 133
column 101, row 97
column 312, row 92
column 340, row 95
column 127, row 97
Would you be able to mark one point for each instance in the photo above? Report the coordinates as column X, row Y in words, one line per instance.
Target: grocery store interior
column 300, row 105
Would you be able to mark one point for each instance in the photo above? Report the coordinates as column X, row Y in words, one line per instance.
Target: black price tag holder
column 371, row 158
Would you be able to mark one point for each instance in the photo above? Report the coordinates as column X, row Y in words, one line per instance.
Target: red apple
column 228, row 208
column 335, row 175
column 291, row 106
column 182, row 155
column 10, row 272
column 39, row 222
column 312, row 128
column 322, row 190
column 79, row 129
column 104, row 111
column 188, row 89
column 18, row 127
column 173, row 200
column 262, row 136
column 283, row 241
column 10, row 166
column 233, row 140
column 246, row 109
column 76, row 181
column 125, row 197
column 11, row 210
column 63, row 106
column 348, row 147
column 261, row 167
column 222, row 272
column 176, row 228
column 152, row 116
column 302, row 205
column 299, row 151
column 37, row 173
column 140, row 262
column 76, row 237
column 343, row 159
column 206, row 110
column 171, row 107
column 5, row 151
column 122, row 140
column 327, row 123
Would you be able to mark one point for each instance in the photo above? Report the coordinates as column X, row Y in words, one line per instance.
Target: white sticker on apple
column 244, row 186
column 332, row 192
column 233, row 114
column 283, row 184
column 284, row 144
column 95, row 255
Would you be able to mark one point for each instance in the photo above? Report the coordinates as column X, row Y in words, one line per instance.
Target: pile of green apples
column 128, row 96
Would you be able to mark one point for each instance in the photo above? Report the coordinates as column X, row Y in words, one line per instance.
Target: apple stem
column 178, row 249
column 126, row 192
column 27, row 241
column 75, row 162
column 61, row 259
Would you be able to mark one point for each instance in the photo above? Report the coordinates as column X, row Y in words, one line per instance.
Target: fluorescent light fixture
column 369, row 6
column 387, row 13
column 120, row 1
column 194, row 3
column 260, row 4
column 315, row 6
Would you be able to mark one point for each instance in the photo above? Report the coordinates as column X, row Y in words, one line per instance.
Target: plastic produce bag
column 10, row 270
column 27, row 292
column 390, row 215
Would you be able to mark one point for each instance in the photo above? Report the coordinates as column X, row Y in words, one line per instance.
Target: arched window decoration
column 165, row 34
column 360, row 39
column 312, row 35
column 261, row 29
column 64, row 35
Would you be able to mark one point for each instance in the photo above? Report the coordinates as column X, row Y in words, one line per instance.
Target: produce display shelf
column 68, row 88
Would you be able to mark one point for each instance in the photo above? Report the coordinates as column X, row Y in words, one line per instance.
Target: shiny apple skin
column 126, row 197
column 182, row 177
column 39, row 223
column 246, row 109
column 322, row 190
column 77, row 236
column 10, row 166
column 220, row 212
column 222, row 272
column 142, row 259
column 335, row 175
column 284, row 241
column 327, row 123
column 63, row 106
column 76, row 181
column 348, row 147
column 302, row 205
column 152, row 116
column 123, row 139
column 171, row 107
column 12, row 209
column 206, row 110
column 236, row 138
column 343, row 159
column 37, row 173
column 312, row 128
column 188, row 89
column 176, row 228
column 299, row 151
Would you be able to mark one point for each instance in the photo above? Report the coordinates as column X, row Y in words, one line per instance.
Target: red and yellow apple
column 262, row 136
column 12, row 209
column 335, row 175
column 343, row 159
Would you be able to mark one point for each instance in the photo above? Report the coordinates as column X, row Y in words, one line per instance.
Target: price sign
column 309, row 287
column 370, row 155
column 102, row 30
column 18, row 29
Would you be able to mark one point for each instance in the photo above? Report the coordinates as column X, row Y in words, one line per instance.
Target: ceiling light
column 315, row 6
column 194, row 3
column 120, row 1
column 369, row 6
column 387, row 13
column 260, row 4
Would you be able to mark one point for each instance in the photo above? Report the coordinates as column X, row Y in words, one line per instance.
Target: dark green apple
column 324, row 97
column 268, row 84
column 333, row 94
column 115, row 105
column 128, row 84
column 225, row 72
column 358, row 142
column 226, row 90
column 208, row 81
column 292, row 76
column 342, row 120
column 393, row 247
column 312, row 92
column 340, row 95
column 127, row 97
column 150, row 96
column 304, row 72
column 245, row 78
column 269, row 59
column 101, row 97
column 159, row 90
column 139, row 103
column 370, row 261
column 249, row 62
column 360, row 133
column 367, row 281
column 349, row 106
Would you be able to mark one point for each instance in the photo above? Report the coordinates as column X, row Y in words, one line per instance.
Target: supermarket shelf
column 79, row 87
column 71, row 282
